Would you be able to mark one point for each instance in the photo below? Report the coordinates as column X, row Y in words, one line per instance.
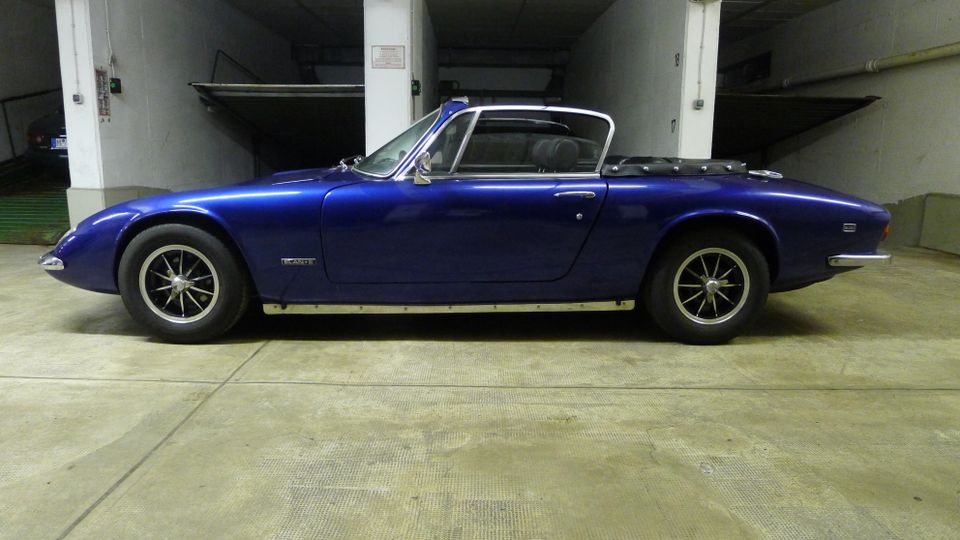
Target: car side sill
column 368, row 309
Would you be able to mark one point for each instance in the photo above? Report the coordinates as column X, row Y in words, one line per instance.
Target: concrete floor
column 837, row 416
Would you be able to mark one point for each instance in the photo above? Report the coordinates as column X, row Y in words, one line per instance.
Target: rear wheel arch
column 194, row 219
column 751, row 228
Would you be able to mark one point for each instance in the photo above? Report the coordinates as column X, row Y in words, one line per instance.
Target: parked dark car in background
column 47, row 145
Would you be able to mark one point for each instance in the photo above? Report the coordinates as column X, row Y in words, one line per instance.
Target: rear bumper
column 860, row 260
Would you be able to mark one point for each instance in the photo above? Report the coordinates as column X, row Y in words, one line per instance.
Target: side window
column 534, row 142
column 443, row 150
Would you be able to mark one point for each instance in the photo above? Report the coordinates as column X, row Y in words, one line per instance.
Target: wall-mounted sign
column 388, row 57
column 103, row 93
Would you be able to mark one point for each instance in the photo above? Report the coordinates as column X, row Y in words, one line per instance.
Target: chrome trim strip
column 509, row 176
column 50, row 263
column 463, row 144
column 860, row 260
column 373, row 309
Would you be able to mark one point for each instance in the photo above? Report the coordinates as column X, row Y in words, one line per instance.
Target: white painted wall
column 625, row 65
column 159, row 134
column 29, row 62
column 903, row 145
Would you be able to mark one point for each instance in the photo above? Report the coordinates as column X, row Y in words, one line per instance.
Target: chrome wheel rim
column 179, row 284
column 711, row 286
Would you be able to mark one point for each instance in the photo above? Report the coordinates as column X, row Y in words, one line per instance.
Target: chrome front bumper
column 860, row 260
column 50, row 263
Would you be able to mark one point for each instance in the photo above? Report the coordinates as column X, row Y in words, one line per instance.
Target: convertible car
column 477, row 209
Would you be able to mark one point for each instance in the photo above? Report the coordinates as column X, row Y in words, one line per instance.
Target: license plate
column 58, row 143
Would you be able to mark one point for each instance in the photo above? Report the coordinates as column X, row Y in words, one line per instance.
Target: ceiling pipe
column 875, row 65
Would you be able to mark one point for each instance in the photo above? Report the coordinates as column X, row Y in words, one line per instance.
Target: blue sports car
column 477, row 209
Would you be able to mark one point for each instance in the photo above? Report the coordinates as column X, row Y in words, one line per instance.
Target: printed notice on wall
column 388, row 57
column 103, row 94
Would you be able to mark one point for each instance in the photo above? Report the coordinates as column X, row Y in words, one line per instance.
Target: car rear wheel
column 707, row 286
column 182, row 283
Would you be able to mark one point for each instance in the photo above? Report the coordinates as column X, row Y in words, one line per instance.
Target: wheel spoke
column 183, row 309
column 692, row 297
column 713, row 300
column 169, row 299
column 164, row 288
column 728, row 285
column 687, row 286
column 159, row 275
column 194, row 300
column 706, row 272
column 198, row 289
column 192, row 267
column 702, row 303
column 208, row 276
column 724, row 297
column 692, row 273
column 717, row 267
column 181, row 262
column 727, row 273
column 166, row 262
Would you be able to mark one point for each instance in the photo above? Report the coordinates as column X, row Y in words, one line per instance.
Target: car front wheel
column 707, row 286
column 182, row 283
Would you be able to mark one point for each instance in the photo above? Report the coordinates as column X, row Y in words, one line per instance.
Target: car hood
column 307, row 182
column 300, row 175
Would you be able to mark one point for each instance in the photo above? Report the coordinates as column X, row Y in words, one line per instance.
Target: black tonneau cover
column 660, row 166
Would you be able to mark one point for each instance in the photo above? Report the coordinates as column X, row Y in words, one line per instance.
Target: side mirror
column 421, row 165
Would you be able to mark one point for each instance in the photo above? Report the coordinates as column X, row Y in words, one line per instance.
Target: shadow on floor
column 776, row 320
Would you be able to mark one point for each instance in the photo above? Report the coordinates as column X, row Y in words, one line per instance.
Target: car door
column 492, row 212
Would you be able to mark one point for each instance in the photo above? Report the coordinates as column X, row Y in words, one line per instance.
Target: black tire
column 168, row 264
column 719, row 309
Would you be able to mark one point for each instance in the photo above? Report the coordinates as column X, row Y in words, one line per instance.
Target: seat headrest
column 556, row 154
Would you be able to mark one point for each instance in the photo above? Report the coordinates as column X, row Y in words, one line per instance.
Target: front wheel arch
column 193, row 219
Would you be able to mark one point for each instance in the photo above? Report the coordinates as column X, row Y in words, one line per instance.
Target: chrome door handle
column 581, row 194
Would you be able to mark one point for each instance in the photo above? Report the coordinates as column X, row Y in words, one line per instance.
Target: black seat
column 556, row 154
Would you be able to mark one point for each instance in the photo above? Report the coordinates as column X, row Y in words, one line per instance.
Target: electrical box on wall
column 116, row 87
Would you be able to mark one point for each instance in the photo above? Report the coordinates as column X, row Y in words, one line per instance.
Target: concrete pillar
column 701, row 42
column 399, row 46
column 77, row 70
column 387, row 69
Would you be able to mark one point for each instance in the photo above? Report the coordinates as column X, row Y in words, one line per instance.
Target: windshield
column 384, row 160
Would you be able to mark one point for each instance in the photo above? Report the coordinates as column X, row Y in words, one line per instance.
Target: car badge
column 298, row 261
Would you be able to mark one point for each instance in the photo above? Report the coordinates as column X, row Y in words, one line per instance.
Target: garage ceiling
column 539, row 24
column 513, row 24
column 330, row 23
column 743, row 18
column 517, row 24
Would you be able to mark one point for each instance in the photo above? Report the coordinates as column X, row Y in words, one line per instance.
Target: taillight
column 886, row 233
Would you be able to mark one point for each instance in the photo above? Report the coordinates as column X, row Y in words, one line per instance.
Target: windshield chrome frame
column 414, row 150
column 430, row 136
